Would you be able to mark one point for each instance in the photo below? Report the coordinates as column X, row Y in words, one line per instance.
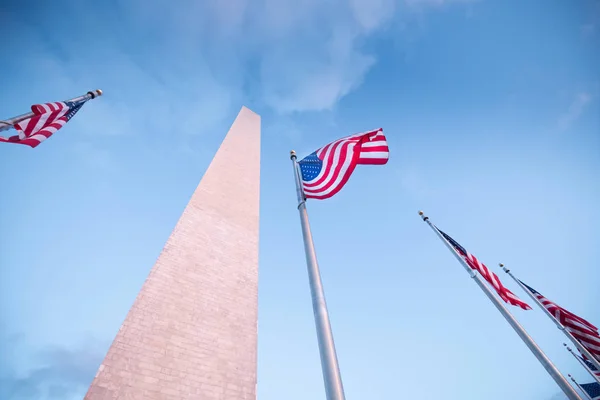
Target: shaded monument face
column 192, row 331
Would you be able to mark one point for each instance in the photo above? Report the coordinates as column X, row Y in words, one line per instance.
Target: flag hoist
column 321, row 175
column 475, row 268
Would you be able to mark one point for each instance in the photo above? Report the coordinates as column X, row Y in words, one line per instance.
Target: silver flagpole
column 572, row 338
column 7, row 124
column 596, row 378
column 332, row 378
column 542, row 358
column 580, row 388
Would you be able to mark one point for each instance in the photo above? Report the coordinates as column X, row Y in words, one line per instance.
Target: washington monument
column 192, row 330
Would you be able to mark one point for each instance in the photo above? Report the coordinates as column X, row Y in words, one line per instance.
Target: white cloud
column 575, row 110
column 307, row 54
column 183, row 70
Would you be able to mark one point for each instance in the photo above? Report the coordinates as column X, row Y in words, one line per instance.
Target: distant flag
column 44, row 120
column 592, row 389
column 591, row 366
column 472, row 266
column 582, row 330
column 326, row 171
column 505, row 294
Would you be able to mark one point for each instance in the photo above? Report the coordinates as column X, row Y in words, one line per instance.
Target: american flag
column 488, row 275
column 591, row 366
column 47, row 119
column 582, row 330
column 592, row 389
column 326, row 171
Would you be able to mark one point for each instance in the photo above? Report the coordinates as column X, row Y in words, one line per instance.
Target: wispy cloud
column 592, row 12
column 577, row 107
column 588, row 29
column 183, row 70
column 59, row 373
column 95, row 157
column 413, row 182
column 437, row 3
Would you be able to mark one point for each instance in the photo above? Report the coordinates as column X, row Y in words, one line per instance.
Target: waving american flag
column 485, row 272
column 327, row 170
column 47, row 118
column 585, row 332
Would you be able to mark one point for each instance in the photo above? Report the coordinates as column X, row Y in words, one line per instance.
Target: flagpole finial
column 504, row 268
column 422, row 214
column 95, row 93
column 292, row 154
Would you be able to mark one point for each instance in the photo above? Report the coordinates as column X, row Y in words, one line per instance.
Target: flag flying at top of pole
column 44, row 120
column 319, row 176
column 326, row 171
column 582, row 330
column 505, row 294
column 471, row 265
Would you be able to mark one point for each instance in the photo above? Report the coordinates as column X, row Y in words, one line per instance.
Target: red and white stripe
column 493, row 280
column 341, row 157
column 582, row 330
column 48, row 118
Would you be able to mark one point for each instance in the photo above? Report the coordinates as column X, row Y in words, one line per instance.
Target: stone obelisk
column 192, row 330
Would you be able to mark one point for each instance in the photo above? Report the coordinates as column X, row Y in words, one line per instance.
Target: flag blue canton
column 591, row 366
column 310, row 167
column 532, row 290
column 454, row 243
column 593, row 389
column 73, row 108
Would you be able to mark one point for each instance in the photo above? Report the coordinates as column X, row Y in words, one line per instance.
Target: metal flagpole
column 334, row 389
column 579, row 346
column 542, row 358
column 7, row 124
column 580, row 388
column 596, row 378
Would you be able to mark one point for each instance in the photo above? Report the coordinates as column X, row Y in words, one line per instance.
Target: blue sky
column 492, row 113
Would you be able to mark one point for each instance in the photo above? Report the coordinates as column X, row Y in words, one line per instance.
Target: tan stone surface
column 192, row 331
